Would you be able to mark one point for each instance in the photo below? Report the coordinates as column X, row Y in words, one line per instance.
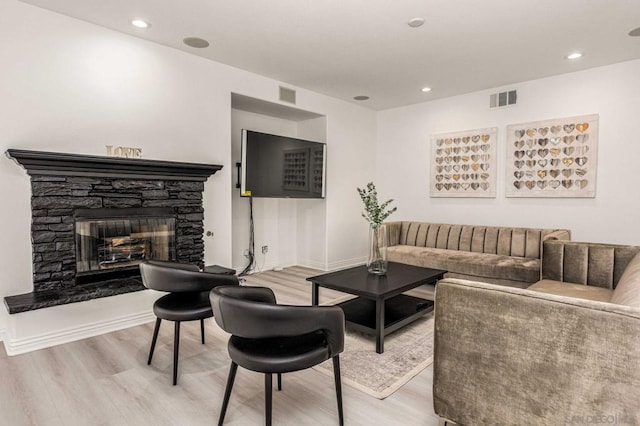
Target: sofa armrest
column 393, row 233
column 507, row 356
column 560, row 234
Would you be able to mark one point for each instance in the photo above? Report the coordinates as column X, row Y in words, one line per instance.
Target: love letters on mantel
column 552, row 158
column 463, row 164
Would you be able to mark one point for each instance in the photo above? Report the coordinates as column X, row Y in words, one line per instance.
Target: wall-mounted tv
column 281, row 167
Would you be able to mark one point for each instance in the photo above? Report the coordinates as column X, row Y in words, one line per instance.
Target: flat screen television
column 281, row 167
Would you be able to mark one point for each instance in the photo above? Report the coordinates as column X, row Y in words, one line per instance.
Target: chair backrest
column 237, row 310
column 176, row 265
column 180, row 277
column 252, row 312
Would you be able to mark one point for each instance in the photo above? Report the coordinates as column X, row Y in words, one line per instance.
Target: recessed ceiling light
column 198, row 43
column 574, row 55
column 139, row 23
column 361, row 98
column 635, row 33
column 416, row 22
column 426, row 89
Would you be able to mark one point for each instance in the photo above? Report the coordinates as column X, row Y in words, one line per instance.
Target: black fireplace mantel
column 57, row 163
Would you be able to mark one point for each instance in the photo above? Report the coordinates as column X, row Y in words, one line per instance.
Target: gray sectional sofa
column 564, row 351
column 498, row 255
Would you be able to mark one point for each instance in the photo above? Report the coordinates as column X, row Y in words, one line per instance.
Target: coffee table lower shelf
column 360, row 313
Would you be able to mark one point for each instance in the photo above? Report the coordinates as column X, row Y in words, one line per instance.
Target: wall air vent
column 503, row 99
column 287, row 95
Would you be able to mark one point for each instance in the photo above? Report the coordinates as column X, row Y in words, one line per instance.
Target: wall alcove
column 295, row 230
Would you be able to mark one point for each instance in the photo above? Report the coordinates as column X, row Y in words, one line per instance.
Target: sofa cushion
column 580, row 291
column 468, row 263
column 488, row 280
column 627, row 292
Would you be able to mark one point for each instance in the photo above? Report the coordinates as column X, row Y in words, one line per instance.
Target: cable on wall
column 252, row 257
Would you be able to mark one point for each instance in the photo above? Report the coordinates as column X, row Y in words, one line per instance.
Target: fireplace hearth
column 94, row 219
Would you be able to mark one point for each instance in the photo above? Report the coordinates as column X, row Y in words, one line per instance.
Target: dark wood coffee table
column 380, row 307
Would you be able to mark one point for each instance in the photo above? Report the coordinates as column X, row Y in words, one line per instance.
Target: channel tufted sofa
column 585, row 270
column 498, row 255
column 564, row 351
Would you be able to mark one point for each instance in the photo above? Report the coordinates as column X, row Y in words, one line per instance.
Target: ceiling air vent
column 503, row 99
column 287, row 95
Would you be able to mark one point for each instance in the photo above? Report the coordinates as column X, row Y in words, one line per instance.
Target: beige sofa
column 499, row 255
column 566, row 351
column 586, row 270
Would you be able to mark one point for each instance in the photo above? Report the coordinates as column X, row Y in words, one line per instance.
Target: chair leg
column 279, row 381
column 153, row 341
column 336, row 375
column 267, row 398
column 227, row 392
column 202, row 330
column 176, row 347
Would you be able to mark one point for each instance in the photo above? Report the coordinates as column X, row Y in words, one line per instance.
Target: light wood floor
column 105, row 380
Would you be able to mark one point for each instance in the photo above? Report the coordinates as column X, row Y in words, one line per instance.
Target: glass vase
column 377, row 261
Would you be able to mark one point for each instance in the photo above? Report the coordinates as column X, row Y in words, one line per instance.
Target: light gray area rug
column 407, row 352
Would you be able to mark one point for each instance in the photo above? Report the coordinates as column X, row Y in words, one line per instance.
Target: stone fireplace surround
column 62, row 183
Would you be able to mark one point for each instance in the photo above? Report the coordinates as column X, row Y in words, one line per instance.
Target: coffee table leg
column 314, row 294
column 379, row 326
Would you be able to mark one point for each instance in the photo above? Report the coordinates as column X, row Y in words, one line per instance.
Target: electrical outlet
column 265, row 249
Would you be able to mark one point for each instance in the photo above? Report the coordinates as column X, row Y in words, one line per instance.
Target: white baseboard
column 341, row 264
column 321, row 266
column 348, row 263
column 307, row 263
column 34, row 343
column 43, row 328
column 270, row 266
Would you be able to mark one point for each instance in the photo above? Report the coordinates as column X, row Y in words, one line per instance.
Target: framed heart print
column 463, row 164
column 552, row 158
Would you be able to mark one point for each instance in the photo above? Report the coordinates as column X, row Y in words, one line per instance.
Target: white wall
column 293, row 229
column 613, row 92
column 70, row 86
column 351, row 164
column 312, row 231
column 330, row 233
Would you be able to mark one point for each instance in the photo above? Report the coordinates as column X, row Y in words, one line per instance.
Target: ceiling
column 347, row 48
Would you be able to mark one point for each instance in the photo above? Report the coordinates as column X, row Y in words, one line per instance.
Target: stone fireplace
column 94, row 219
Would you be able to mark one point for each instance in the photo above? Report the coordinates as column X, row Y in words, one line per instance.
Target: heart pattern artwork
column 463, row 164
column 553, row 158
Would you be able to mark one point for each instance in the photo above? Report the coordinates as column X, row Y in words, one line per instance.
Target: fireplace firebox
column 111, row 243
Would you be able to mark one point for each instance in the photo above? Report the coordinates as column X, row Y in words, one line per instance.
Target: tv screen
column 282, row 167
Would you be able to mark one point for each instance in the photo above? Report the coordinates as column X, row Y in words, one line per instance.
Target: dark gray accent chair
column 270, row 338
column 188, row 298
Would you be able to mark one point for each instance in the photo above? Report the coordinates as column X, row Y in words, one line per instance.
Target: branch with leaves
column 374, row 212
